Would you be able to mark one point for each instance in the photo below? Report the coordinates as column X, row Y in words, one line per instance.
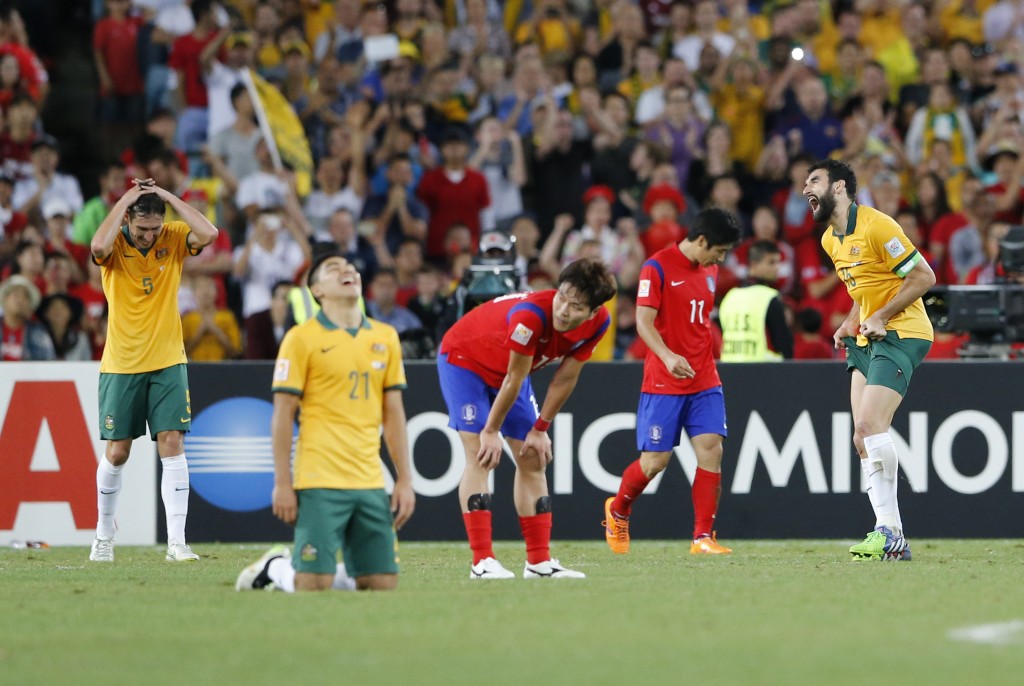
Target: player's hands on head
column 678, row 367
column 490, row 449
column 403, row 502
column 285, row 504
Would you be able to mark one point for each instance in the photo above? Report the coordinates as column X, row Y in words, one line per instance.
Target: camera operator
column 492, row 273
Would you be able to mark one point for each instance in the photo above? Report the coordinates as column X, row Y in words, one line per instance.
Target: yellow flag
column 282, row 130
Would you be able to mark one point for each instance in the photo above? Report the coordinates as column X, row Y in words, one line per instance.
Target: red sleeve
column 100, row 35
column 425, row 191
column 652, row 278
column 177, row 60
column 525, row 327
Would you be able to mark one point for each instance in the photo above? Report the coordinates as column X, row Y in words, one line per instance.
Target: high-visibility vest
column 742, row 316
column 304, row 306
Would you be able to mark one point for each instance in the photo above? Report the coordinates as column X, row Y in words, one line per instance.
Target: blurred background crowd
column 434, row 135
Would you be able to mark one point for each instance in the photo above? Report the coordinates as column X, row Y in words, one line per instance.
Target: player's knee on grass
column 313, row 582
column 377, row 582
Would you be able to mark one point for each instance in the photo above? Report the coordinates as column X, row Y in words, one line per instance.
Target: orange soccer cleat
column 708, row 545
column 616, row 529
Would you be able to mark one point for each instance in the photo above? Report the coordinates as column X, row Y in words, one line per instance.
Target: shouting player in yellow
column 886, row 335
column 142, row 373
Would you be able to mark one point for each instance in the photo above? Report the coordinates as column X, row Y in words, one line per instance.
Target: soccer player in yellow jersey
column 345, row 373
column 886, row 335
column 142, row 373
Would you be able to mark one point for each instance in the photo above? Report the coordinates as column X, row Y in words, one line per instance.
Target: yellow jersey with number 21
column 872, row 259
column 341, row 376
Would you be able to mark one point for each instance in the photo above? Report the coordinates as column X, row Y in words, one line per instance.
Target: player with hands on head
column 485, row 362
column 681, row 389
column 143, row 377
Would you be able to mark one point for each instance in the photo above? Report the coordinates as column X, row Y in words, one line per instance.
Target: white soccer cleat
column 489, row 568
column 102, row 550
column 254, row 577
column 550, row 569
column 179, row 552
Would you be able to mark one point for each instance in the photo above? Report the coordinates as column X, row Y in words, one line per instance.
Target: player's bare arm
column 519, row 367
column 285, row 504
column 203, row 232
column 676, row 365
column 103, row 241
column 848, row 329
column 561, row 387
column 403, row 499
column 915, row 284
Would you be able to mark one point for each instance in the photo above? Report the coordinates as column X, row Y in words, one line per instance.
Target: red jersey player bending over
column 681, row 389
column 485, row 363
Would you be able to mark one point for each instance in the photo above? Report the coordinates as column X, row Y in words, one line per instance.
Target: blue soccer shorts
column 661, row 419
column 469, row 402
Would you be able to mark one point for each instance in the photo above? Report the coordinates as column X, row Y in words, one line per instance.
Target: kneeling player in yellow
column 886, row 335
column 345, row 373
column 142, row 373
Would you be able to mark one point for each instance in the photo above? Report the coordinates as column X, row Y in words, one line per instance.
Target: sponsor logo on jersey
column 522, row 334
column 378, row 348
column 645, row 288
column 281, row 370
column 161, row 253
column 895, row 247
column 854, row 250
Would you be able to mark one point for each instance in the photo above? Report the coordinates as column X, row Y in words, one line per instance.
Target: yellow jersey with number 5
column 341, row 377
column 872, row 259
column 143, row 324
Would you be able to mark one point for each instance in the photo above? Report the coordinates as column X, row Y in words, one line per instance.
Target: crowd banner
column 790, row 468
column 49, row 447
column 281, row 128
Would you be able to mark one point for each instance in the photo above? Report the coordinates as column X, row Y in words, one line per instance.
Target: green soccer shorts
column 129, row 401
column 889, row 362
column 354, row 522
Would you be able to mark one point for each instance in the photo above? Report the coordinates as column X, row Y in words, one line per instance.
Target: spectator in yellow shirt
column 210, row 334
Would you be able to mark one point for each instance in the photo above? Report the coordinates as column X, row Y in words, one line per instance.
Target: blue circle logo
column 230, row 457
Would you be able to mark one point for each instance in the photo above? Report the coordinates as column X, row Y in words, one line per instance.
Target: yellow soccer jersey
column 144, row 327
column 341, row 378
column 872, row 259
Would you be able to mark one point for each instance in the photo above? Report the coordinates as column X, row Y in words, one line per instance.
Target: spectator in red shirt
column 115, row 49
column 16, row 141
column 453, row 193
column 11, row 221
column 185, row 60
column 12, row 83
column 808, row 343
column 663, row 204
column 14, row 41
column 91, row 295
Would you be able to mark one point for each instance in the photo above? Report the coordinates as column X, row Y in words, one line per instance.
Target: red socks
column 707, row 488
column 537, row 534
column 478, row 530
column 633, row 484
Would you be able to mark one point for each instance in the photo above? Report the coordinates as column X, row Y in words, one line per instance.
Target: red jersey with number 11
column 482, row 340
column 683, row 293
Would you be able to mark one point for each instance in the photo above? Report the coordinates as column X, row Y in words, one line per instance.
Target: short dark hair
column 838, row 171
column 236, row 91
column 319, row 257
column 385, row 271
column 149, row 203
column 808, row 320
column 718, row 226
column 760, row 250
column 591, row 279
column 200, row 8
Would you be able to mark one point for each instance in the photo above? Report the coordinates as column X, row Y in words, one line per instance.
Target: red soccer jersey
column 481, row 340
column 683, row 293
column 185, row 58
column 117, row 41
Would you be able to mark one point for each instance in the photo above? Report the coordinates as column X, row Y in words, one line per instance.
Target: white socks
column 174, row 490
column 108, row 486
column 282, row 573
column 880, row 468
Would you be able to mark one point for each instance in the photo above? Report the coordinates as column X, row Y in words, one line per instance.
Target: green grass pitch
column 774, row 612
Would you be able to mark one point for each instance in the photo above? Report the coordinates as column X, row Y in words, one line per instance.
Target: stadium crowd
column 578, row 128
